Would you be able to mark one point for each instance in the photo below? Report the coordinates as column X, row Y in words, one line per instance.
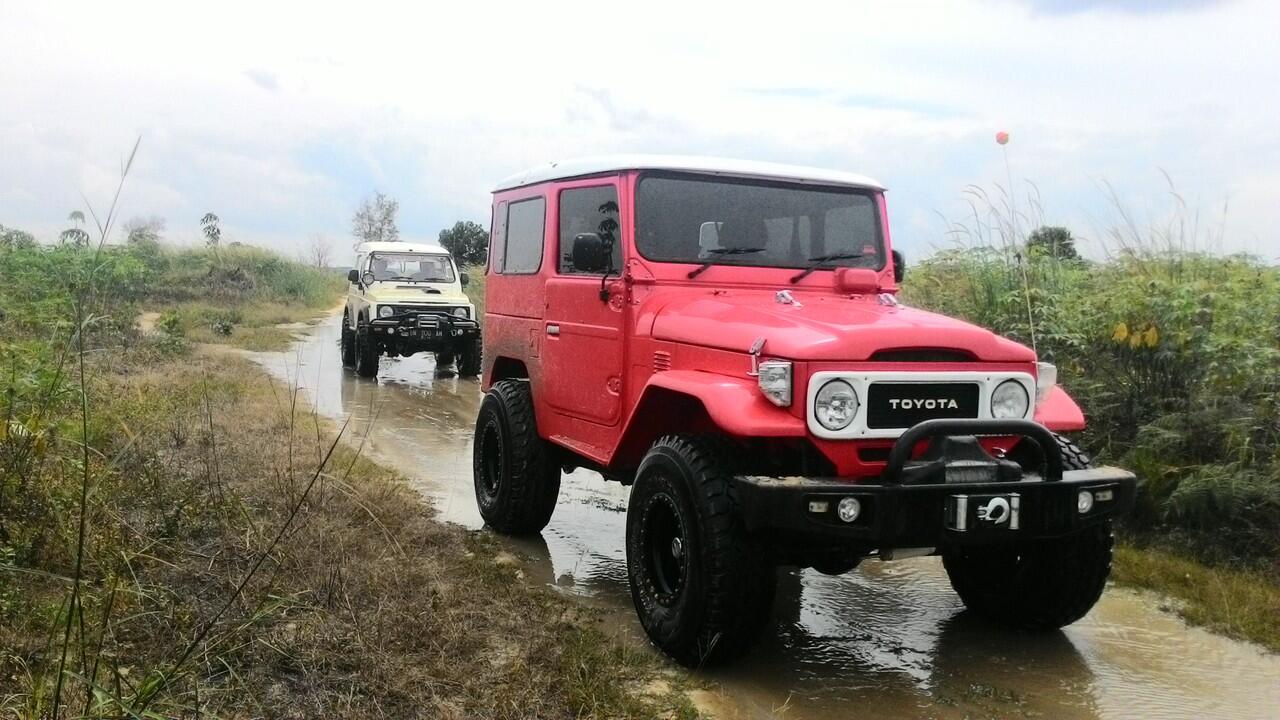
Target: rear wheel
column 701, row 588
column 516, row 478
column 1042, row 585
column 366, row 353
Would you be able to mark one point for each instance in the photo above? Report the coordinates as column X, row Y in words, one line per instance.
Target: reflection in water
column 886, row 640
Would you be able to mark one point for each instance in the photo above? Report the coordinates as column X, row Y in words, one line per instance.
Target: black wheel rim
column 491, row 464
column 666, row 548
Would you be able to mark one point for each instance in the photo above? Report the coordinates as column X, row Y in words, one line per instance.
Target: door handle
column 553, row 330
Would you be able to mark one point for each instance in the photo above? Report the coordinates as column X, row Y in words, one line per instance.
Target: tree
column 16, row 239
column 1052, row 241
column 319, row 251
column 212, row 232
column 75, row 235
column 468, row 242
column 144, row 231
column 375, row 220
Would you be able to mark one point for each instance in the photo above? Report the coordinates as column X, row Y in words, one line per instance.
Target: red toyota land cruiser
column 725, row 337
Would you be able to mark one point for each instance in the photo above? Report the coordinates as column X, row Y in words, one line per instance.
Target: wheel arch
column 695, row 402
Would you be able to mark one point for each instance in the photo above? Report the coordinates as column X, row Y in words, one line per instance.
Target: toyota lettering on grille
column 923, row 404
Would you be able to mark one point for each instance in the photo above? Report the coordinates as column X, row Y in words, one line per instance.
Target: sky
column 280, row 117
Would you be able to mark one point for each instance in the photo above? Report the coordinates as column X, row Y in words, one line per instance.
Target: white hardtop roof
column 578, row 167
column 401, row 247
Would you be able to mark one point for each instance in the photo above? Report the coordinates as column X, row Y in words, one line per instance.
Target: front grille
column 893, row 405
column 435, row 309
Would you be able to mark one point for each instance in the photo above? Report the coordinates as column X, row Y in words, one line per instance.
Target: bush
column 1173, row 355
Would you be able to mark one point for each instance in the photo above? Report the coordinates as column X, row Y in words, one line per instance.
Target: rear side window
column 588, row 210
column 526, row 225
column 498, row 239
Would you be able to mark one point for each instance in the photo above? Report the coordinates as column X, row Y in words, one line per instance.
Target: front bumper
column 424, row 327
column 941, row 498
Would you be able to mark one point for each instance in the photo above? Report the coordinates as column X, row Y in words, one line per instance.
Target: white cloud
column 280, row 116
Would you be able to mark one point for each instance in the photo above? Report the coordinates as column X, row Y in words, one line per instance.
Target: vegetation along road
column 178, row 530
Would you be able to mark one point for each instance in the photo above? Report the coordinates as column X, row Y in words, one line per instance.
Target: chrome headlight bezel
column 822, row 404
column 1009, row 391
column 386, row 311
column 461, row 312
column 774, row 379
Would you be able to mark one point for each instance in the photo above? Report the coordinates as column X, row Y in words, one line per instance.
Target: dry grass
column 366, row 608
column 1242, row 604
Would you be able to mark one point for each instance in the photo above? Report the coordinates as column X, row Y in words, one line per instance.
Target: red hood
column 822, row 327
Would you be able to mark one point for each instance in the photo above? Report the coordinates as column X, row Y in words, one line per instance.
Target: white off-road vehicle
column 406, row 298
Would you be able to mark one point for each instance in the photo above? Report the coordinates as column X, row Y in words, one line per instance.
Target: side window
column 498, row 237
column 588, row 210
column 526, row 226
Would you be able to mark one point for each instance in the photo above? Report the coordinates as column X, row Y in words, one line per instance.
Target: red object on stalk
column 1002, row 138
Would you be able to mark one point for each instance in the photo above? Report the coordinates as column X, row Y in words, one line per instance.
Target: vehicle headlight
column 775, row 381
column 1046, row 378
column 461, row 312
column 1009, row 400
column 386, row 311
column 835, row 405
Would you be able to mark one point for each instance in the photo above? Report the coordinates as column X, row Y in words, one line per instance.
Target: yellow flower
column 1135, row 341
column 1121, row 332
column 1151, row 336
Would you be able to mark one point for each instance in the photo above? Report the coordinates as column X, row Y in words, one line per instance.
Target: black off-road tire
column 516, row 477
column 706, row 600
column 348, row 342
column 1042, row 585
column 469, row 359
column 366, row 353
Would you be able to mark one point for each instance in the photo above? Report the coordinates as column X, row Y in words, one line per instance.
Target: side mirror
column 464, row 278
column 368, row 278
column 353, row 276
column 899, row 267
column 589, row 254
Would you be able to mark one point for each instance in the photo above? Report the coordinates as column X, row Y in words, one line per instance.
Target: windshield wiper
column 721, row 252
column 821, row 260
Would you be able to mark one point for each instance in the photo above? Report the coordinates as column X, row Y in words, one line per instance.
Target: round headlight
column 835, row 405
column 1009, row 400
column 386, row 311
column 461, row 312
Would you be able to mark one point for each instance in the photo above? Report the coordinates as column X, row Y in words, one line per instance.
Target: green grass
column 475, row 288
column 1243, row 604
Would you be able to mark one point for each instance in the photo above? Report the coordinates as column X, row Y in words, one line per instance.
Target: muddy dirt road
column 887, row 640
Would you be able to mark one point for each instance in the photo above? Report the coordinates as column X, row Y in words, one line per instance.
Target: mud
column 888, row 640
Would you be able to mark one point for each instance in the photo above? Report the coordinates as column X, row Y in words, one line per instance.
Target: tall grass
column 1173, row 353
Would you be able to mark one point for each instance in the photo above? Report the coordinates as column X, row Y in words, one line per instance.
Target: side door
column 583, row 357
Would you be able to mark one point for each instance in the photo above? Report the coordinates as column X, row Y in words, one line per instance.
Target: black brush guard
column 949, row 495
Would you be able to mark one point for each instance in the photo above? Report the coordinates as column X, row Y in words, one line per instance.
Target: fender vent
column 921, row 355
column 661, row 361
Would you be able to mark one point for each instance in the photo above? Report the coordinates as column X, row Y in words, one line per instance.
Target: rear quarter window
column 525, row 231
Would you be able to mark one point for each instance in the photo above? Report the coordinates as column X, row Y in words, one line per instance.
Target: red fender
column 736, row 405
column 1059, row 412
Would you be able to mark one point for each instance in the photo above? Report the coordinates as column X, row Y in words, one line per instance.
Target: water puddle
column 888, row 640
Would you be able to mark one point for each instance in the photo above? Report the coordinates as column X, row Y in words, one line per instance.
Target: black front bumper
column 940, row 499
column 424, row 327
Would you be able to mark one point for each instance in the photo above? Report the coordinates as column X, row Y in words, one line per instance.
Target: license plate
column 983, row 513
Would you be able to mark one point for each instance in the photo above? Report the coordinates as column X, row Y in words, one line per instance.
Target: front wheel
column 1043, row 585
column 469, row 359
column 701, row 588
column 366, row 353
column 348, row 344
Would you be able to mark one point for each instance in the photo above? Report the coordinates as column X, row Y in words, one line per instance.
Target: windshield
column 758, row 223
column 412, row 267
